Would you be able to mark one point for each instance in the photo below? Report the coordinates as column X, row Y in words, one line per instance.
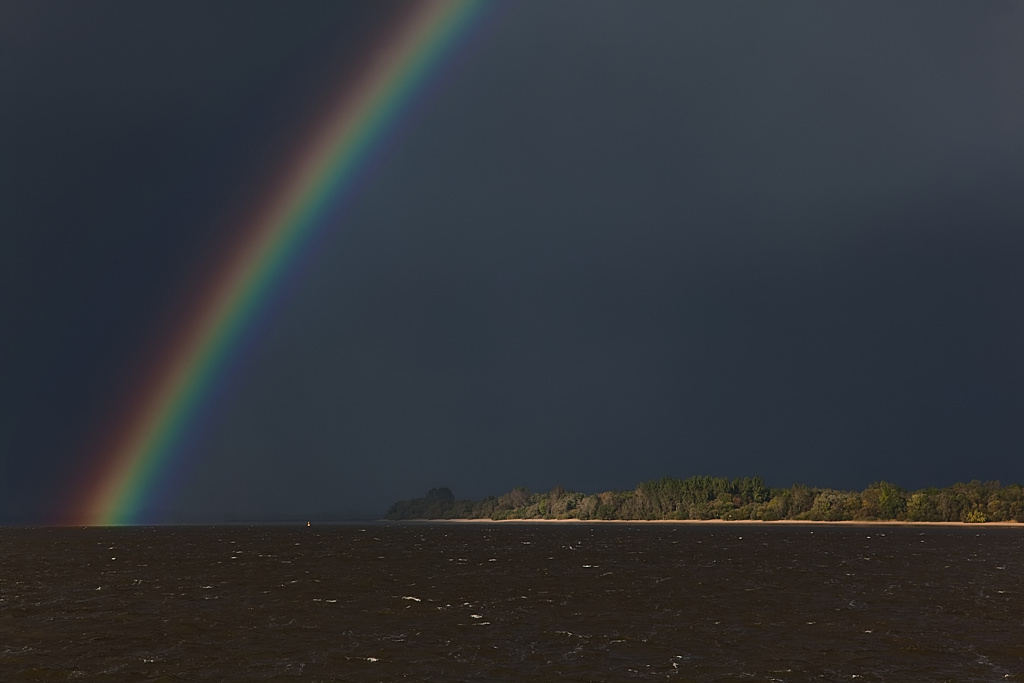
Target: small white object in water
column 409, row 597
column 476, row 616
column 372, row 659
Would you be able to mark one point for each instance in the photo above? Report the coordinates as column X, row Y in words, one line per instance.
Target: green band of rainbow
column 325, row 169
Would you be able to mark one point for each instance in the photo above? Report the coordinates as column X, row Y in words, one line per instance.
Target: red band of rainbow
column 325, row 169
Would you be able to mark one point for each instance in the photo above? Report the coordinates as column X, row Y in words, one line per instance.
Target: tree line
column 704, row 497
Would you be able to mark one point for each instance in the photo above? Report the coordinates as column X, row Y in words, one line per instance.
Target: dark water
column 513, row 602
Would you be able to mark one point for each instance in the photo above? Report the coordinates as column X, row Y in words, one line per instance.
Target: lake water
column 513, row 602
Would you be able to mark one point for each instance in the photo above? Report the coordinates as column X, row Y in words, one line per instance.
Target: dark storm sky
column 618, row 240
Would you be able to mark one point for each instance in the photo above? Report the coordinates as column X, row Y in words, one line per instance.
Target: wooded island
column 749, row 498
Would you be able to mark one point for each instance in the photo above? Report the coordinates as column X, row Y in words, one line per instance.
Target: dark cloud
column 618, row 241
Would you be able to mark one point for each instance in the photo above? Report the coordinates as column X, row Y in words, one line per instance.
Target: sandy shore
column 786, row 522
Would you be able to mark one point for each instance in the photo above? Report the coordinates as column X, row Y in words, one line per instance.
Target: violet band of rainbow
column 340, row 145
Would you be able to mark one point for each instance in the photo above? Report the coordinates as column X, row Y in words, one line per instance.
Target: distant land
column 748, row 498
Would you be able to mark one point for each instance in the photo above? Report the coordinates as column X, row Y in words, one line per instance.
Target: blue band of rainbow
column 324, row 172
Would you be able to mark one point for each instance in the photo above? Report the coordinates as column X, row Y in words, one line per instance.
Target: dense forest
column 736, row 499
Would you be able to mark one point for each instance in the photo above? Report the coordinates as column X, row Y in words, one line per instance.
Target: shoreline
column 752, row 522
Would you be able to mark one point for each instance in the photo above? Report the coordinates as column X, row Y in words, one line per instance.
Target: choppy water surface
column 513, row 602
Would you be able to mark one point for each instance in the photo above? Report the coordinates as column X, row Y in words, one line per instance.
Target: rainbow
column 135, row 458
